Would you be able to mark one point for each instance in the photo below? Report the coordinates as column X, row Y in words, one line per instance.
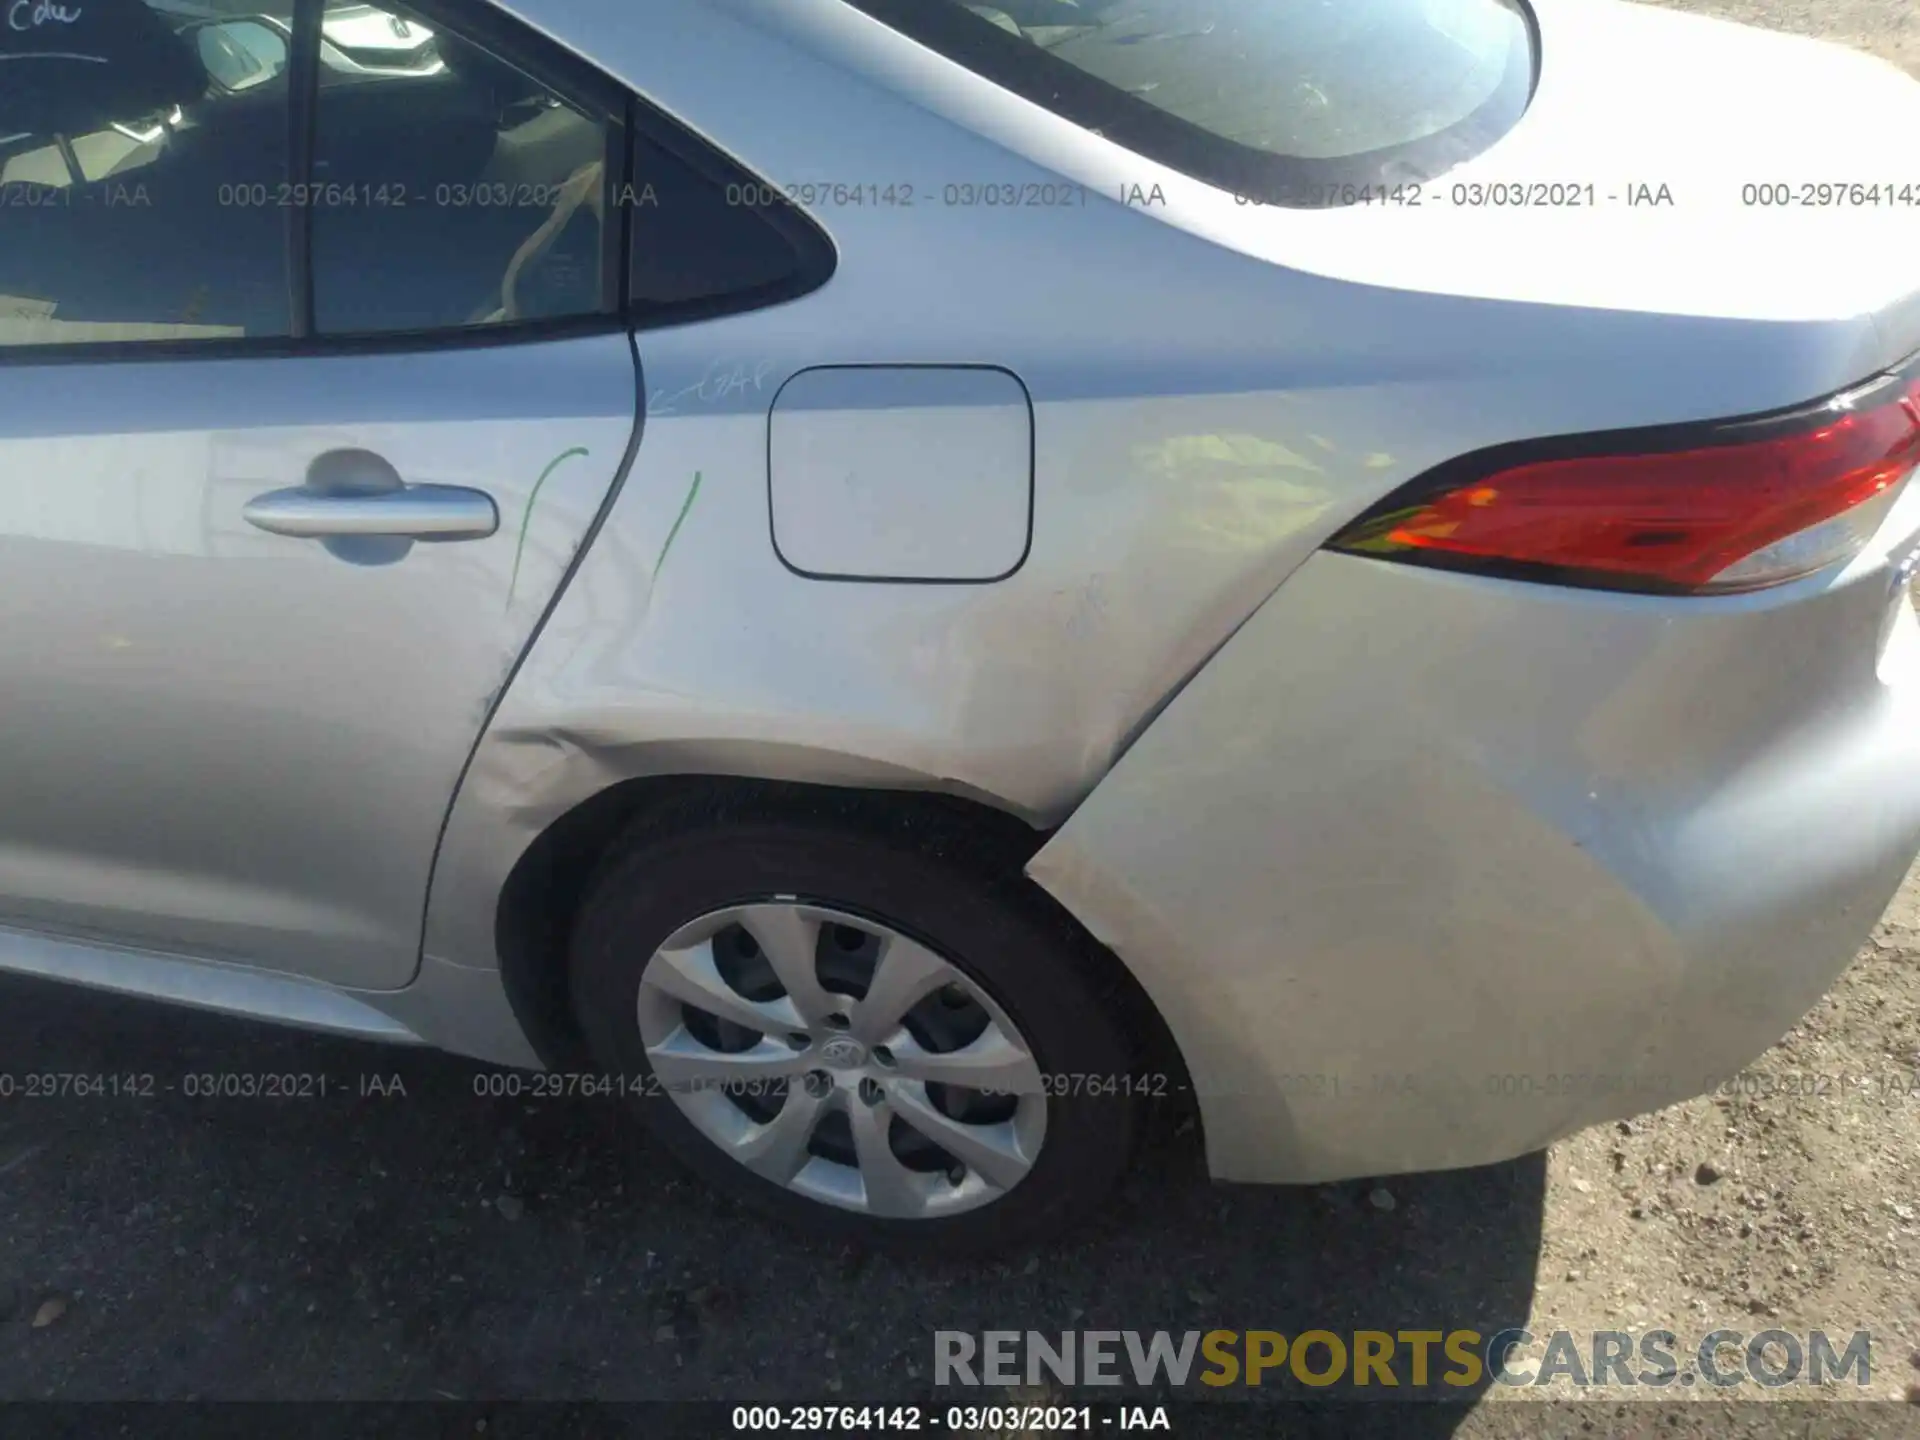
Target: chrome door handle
column 415, row 512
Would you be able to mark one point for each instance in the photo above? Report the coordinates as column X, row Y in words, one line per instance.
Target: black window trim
column 599, row 96
column 814, row 252
column 303, row 102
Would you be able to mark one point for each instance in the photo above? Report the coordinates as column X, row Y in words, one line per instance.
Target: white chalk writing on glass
column 24, row 15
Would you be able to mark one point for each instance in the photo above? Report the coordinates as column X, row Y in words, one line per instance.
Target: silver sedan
column 895, row 583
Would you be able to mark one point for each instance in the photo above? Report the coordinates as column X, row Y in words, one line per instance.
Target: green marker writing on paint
column 527, row 518
column 685, row 506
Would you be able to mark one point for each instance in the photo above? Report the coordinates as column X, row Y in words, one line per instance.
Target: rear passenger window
column 133, row 138
column 460, row 181
column 451, row 188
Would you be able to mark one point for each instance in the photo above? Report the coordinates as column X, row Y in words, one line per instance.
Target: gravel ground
column 404, row 1238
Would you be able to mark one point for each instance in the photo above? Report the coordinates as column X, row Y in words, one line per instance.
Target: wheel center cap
column 843, row 1053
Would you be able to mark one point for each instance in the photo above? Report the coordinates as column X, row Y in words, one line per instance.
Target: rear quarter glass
column 1300, row 103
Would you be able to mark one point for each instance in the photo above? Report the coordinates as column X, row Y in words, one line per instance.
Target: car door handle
column 416, row 512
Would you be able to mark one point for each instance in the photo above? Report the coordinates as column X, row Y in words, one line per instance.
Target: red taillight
column 1677, row 519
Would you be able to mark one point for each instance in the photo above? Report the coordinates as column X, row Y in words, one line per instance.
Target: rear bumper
column 1428, row 870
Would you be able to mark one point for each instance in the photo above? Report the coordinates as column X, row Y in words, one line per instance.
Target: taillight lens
column 1721, row 513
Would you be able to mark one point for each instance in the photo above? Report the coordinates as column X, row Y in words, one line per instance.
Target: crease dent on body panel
column 526, row 518
column 1124, row 920
column 535, row 772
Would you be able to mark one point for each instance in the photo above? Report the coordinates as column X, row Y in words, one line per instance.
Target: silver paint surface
column 224, row 743
column 1495, row 908
column 844, row 506
column 1340, row 818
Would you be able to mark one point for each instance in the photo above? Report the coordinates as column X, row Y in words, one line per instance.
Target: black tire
column 943, row 885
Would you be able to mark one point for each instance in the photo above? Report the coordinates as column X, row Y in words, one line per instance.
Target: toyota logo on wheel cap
column 844, row 1053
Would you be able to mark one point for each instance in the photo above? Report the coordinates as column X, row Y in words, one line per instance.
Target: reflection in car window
column 1279, row 100
column 450, row 189
column 242, row 53
column 126, row 168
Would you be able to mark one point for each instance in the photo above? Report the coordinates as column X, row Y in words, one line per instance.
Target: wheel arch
column 542, row 892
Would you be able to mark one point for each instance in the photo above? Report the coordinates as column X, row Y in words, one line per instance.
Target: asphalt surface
column 430, row 1242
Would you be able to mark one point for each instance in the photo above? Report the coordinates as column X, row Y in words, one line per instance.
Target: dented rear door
column 265, row 562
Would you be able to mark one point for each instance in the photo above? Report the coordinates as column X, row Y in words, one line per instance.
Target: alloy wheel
column 841, row 1059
